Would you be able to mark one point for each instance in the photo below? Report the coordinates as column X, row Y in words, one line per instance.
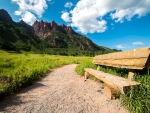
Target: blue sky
column 117, row 24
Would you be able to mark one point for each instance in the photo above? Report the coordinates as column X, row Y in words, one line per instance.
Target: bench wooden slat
column 132, row 59
column 116, row 82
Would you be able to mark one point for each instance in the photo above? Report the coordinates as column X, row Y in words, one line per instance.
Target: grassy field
column 20, row 70
column 137, row 100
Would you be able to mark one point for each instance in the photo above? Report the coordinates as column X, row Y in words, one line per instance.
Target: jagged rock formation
column 67, row 29
column 42, row 28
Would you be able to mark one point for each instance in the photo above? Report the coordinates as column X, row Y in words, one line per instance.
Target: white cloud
column 122, row 46
column 138, row 43
column 29, row 9
column 88, row 15
column 28, row 17
column 68, row 5
column 18, row 13
column 51, row 1
column 65, row 16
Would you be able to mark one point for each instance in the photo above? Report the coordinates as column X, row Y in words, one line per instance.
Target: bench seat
column 116, row 82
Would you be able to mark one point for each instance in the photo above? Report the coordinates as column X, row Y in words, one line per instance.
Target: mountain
column 42, row 28
column 14, row 38
column 63, row 36
column 44, row 37
column 5, row 16
column 21, row 23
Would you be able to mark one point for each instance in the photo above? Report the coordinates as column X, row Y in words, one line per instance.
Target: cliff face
column 67, row 29
column 42, row 29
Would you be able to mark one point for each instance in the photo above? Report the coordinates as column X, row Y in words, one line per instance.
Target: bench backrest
column 132, row 59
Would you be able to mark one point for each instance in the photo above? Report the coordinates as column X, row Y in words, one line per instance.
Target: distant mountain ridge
column 54, row 33
column 50, row 36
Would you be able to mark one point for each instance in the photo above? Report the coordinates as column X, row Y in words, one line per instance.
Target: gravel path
column 61, row 91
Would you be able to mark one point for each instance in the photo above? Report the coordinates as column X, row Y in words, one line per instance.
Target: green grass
column 87, row 64
column 20, row 70
column 137, row 100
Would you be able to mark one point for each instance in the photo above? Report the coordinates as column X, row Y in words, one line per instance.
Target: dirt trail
column 61, row 91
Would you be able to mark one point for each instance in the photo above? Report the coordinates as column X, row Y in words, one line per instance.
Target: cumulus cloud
column 65, row 16
column 138, row 43
column 68, row 5
column 88, row 15
column 29, row 10
column 28, row 17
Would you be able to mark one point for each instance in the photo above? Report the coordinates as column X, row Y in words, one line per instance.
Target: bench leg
column 131, row 74
column 110, row 93
column 98, row 68
column 86, row 74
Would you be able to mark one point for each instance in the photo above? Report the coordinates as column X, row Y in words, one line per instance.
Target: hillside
column 44, row 37
column 14, row 38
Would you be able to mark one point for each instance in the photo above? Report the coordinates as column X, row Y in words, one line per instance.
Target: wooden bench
column 137, row 59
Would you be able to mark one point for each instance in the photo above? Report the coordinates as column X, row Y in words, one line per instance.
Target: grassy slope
column 17, row 38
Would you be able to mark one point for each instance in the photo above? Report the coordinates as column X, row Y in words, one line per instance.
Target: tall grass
column 20, row 70
column 137, row 100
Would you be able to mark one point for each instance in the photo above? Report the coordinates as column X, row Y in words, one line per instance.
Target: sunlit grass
column 21, row 70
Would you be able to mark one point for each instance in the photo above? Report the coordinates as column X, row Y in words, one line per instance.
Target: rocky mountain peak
column 70, row 30
column 53, row 24
column 63, row 26
column 21, row 22
column 26, row 26
column 41, row 22
column 40, row 26
column 67, row 29
column 42, row 29
column 36, row 22
column 5, row 16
